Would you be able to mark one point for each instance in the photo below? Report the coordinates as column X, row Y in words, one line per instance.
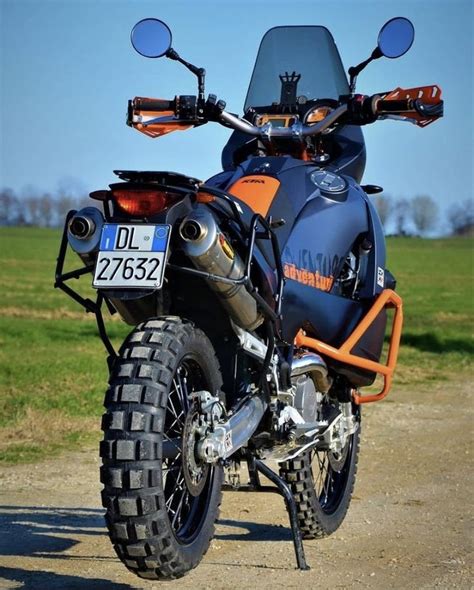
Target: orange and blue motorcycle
column 258, row 299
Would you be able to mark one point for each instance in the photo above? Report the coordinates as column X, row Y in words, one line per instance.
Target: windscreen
column 309, row 51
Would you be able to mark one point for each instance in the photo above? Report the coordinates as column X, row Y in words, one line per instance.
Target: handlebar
column 296, row 130
column 355, row 110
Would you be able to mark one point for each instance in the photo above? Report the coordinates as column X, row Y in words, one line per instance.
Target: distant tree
column 9, row 207
column 71, row 194
column 401, row 212
column 424, row 212
column 71, row 187
column 45, row 210
column 32, row 210
column 383, row 204
column 85, row 201
column 461, row 217
column 63, row 204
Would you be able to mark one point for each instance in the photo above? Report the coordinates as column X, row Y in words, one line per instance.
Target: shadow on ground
column 28, row 531
column 38, row 580
column 34, row 532
column 254, row 531
column 431, row 342
column 50, row 533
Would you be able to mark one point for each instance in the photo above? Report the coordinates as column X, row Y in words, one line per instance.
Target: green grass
column 53, row 369
column 435, row 280
column 52, row 362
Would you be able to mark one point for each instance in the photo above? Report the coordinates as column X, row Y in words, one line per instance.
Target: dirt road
column 408, row 526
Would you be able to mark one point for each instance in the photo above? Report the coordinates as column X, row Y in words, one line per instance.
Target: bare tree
column 9, row 207
column 383, row 204
column 64, row 204
column 461, row 217
column 45, row 209
column 424, row 213
column 32, row 210
column 71, row 194
column 401, row 211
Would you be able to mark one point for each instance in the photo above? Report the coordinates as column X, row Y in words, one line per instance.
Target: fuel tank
column 319, row 216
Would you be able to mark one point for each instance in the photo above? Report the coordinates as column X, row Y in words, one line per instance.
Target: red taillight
column 143, row 202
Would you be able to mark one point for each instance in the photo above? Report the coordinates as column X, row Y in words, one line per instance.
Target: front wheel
column 161, row 502
column 322, row 483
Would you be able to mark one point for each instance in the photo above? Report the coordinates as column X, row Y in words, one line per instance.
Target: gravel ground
column 409, row 525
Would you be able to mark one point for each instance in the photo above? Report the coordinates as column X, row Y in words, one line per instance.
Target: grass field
column 52, row 364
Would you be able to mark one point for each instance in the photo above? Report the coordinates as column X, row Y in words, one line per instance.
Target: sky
column 68, row 69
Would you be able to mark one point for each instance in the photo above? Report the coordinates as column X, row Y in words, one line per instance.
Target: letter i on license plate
column 132, row 256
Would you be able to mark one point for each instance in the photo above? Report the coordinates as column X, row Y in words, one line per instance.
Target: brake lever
column 428, row 110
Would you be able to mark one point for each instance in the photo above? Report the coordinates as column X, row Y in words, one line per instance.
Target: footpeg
column 304, row 436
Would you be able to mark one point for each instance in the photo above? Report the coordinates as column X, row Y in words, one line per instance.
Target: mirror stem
column 199, row 72
column 354, row 71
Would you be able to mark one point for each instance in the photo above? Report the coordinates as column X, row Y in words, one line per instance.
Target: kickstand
column 285, row 491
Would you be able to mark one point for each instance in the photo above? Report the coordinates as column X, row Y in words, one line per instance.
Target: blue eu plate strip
column 107, row 240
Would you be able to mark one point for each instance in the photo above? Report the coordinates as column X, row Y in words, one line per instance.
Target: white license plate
column 132, row 256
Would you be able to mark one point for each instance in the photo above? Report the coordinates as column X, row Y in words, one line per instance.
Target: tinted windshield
column 309, row 51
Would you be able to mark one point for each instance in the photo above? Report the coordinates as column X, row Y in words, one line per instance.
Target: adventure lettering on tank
column 314, row 270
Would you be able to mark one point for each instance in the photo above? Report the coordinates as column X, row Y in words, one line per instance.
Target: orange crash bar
column 387, row 299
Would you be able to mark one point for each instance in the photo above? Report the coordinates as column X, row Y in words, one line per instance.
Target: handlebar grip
column 154, row 104
column 394, row 106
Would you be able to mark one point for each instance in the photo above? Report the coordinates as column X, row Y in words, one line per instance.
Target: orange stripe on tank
column 257, row 191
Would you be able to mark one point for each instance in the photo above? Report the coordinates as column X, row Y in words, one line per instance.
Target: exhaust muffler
column 84, row 231
column 209, row 251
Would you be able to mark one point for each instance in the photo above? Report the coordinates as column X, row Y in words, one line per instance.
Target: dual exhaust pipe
column 204, row 244
column 210, row 251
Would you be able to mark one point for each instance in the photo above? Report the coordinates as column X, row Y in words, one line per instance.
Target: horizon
column 64, row 92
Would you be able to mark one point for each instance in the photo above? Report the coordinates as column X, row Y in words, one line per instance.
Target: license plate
column 132, row 256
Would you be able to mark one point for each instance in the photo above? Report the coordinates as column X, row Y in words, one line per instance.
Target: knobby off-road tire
column 322, row 485
column 158, row 529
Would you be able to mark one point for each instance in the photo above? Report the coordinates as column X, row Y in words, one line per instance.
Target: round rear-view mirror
column 396, row 37
column 151, row 37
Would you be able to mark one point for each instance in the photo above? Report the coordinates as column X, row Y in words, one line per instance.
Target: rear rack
column 90, row 306
column 259, row 228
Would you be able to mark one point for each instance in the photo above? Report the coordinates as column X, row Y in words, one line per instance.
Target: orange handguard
column 427, row 94
column 165, row 121
column 387, row 299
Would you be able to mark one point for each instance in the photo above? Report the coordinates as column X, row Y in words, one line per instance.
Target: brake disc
column 195, row 471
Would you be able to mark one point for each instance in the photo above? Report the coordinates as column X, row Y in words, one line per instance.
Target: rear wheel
column 322, row 483
column 161, row 502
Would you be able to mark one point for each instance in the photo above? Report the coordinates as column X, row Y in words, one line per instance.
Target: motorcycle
column 259, row 300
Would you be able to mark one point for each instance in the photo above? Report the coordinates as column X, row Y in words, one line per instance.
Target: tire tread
column 135, row 405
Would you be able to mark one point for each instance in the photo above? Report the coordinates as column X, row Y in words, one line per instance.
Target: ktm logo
column 253, row 181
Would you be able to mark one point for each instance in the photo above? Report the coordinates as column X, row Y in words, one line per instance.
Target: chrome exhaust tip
column 81, row 227
column 84, row 230
column 191, row 230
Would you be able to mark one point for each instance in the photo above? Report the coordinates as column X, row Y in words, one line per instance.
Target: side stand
column 285, row 491
column 255, row 467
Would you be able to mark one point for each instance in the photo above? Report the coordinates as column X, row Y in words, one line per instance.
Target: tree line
column 419, row 215
column 38, row 209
